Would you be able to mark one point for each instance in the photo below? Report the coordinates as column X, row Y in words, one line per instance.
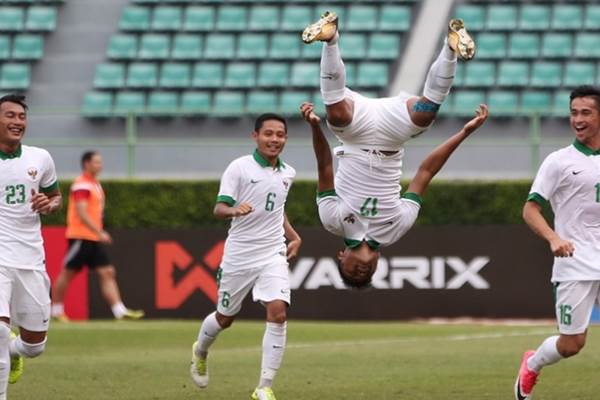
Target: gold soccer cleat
column 323, row 30
column 459, row 39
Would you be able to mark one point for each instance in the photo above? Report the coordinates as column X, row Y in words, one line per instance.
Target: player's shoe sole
column 263, row 394
column 459, row 39
column 16, row 365
column 198, row 369
column 323, row 30
column 523, row 371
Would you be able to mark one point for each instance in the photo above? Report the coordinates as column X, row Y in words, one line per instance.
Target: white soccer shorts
column 25, row 298
column 268, row 283
column 574, row 304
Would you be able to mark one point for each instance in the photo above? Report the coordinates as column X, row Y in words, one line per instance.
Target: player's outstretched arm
column 321, row 148
column 438, row 157
column 532, row 215
column 294, row 240
column 225, row 211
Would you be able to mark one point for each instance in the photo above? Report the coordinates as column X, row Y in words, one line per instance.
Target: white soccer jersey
column 253, row 239
column 367, row 182
column 29, row 168
column 569, row 179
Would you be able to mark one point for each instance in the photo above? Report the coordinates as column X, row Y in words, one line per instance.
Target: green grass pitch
column 149, row 360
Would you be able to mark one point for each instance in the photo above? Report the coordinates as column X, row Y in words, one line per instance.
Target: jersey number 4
column 15, row 194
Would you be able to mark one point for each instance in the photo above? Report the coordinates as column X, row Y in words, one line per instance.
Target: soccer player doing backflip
column 364, row 207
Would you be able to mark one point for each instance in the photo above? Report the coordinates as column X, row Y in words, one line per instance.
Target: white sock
column 273, row 349
column 119, row 310
column 4, row 358
column 209, row 330
column 546, row 354
column 440, row 75
column 333, row 73
column 18, row 347
column 58, row 309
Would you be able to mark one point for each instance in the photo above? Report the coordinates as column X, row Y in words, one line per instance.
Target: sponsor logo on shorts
column 577, row 172
column 254, row 181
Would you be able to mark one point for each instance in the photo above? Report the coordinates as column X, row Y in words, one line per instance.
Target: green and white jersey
column 253, row 239
column 29, row 168
column 569, row 179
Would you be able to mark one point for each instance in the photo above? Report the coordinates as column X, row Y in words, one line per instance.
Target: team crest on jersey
column 350, row 219
column 32, row 172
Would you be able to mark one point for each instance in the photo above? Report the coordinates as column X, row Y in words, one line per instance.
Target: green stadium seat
column 186, row 47
column 557, row 45
column 15, row 76
column 272, row 74
column 592, row 17
column 122, row 47
column 480, row 73
column 524, row 45
column 579, row 73
column 332, row 6
column 459, row 75
column 264, row 18
column 162, row 103
column 285, row 46
column 350, row 74
column 491, row 45
column 109, row 76
column 473, row 15
column 567, row 16
column 383, row 46
column 546, row 74
column 135, row 18
column 219, row 46
column 28, row 47
column 353, row 46
column 142, row 75
column 261, row 101
column 97, row 104
column 295, row 18
column 586, row 45
column 312, row 51
column 561, row 104
column 240, row 75
column 317, row 101
column 536, row 102
column 154, row 47
column 513, row 73
column 361, row 18
column 305, row 74
column 253, row 46
column 232, row 18
column 12, row 19
column 372, row 74
column 167, row 18
column 503, row 103
column 228, row 104
column 4, row 47
column 127, row 102
column 199, row 18
column 290, row 101
column 175, row 75
column 208, row 75
column 394, row 18
column 194, row 102
column 465, row 102
column 41, row 18
column 534, row 17
column 502, row 17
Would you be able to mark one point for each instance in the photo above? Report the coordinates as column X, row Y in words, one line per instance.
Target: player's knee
column 107, row 272
column 277, row 315
column 224, row 321
column 569, row 348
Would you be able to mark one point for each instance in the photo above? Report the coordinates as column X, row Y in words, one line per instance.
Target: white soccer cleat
column 199, row 369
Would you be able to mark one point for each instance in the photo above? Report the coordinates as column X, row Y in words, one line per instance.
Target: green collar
column 264, row 163
column 584, row 149
column 7, row 156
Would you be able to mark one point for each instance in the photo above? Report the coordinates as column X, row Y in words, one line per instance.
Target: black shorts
column 86, row 252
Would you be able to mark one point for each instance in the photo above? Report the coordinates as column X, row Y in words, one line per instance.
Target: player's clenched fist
column 242, row 209
column 308, row 113
column 562, row 248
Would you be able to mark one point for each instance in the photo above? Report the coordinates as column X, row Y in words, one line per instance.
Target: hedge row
column 145, row 204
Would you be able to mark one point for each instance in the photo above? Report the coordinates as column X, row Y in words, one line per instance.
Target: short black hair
column 267, row 116
column 352, row 283
column 586, row 91
column 14, row 98
column 87, row 156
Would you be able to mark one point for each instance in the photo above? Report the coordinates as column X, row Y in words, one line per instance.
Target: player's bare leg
column 58, row 294
column 112, row 295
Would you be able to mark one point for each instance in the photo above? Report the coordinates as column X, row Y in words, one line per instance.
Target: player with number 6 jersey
column 253, row 192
